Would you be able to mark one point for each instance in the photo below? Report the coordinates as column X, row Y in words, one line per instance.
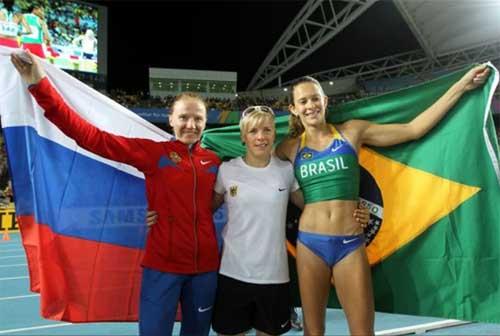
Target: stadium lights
column 331, row 83
column 285, row 89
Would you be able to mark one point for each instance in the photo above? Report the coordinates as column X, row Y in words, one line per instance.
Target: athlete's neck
column 256, row 161
column 316, row 134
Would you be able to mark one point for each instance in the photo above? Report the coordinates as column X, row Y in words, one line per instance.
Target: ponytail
column 295, row 127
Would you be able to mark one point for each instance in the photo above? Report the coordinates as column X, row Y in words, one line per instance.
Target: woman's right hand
column 362, row 216
column 30, row 73
column 151, row 218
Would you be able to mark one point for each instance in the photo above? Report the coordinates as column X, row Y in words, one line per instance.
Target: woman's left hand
column 151, row 218
column 475, row 77
column 29, row 68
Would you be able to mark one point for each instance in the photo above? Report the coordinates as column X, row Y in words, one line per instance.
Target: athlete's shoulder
column 279, row 163
column 207, row 154
column 231, row 167
column 353, row 130
column 290, row 142
column 284, row 169
column 168, row 144
column 232, row 163
column 353, row 125
column 287, row 148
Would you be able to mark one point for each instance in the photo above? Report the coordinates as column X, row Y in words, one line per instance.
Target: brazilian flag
column 434, row 235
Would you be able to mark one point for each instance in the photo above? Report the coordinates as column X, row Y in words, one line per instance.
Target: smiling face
column 258, row 133
column 188, row 119
column 309, row 104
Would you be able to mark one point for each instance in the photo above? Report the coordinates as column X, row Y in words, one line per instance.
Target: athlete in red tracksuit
column 181, row 257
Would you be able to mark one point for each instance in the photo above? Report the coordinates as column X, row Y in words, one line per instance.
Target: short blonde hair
column 253, row 119
column 186, row 96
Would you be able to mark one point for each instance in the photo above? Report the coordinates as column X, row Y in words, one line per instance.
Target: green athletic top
column 331, row 174
column 36, row 36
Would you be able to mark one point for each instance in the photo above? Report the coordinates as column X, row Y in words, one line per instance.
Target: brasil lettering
column 318, row 168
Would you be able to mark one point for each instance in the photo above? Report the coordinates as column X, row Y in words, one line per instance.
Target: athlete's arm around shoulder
column 219, row 187
column 287, row 149
column 393, row 134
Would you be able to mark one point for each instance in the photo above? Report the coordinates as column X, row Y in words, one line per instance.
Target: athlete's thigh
column 353, row 283
column 314, row 283
column 159, row 297
column 272, row 309
column 234, row 306
column 197, row 300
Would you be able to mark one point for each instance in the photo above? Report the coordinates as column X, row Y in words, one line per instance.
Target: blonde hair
column 295, row 126
column 187, row 95
column 253, row 119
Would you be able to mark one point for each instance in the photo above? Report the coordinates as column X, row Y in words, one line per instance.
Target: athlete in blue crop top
column 326, row 226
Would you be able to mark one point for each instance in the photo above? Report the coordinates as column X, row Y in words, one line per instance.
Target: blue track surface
column 19, row 309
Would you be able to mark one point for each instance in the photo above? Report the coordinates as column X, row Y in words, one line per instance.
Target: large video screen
column 69, row 34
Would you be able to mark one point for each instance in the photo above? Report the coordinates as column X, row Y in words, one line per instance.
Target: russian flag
column 82, row 217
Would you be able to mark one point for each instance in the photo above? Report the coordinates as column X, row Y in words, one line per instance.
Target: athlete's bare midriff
column 333, row 217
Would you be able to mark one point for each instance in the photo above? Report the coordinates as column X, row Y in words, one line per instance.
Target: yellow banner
column 8, row 216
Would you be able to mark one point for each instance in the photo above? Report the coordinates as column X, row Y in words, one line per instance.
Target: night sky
column 233, row 36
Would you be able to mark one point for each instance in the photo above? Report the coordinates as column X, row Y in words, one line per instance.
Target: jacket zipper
column 195, row 222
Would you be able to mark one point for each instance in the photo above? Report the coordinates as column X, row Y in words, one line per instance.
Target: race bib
column 8, row 29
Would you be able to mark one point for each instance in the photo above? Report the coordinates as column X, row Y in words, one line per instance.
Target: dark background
column 233, row 36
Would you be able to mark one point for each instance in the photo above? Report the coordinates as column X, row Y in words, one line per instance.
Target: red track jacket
column 179, row 185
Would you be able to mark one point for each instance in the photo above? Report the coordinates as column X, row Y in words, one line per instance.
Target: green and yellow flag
column 434, row 233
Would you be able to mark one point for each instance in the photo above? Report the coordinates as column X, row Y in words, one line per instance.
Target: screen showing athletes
column 61, row 31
